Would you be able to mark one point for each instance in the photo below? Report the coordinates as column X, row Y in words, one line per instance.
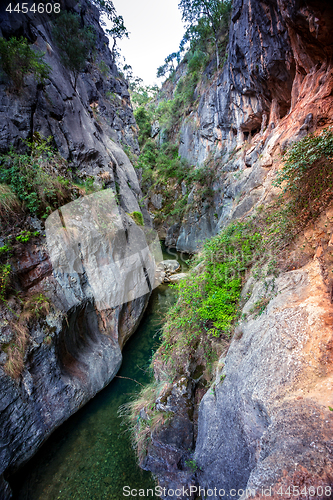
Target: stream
column 90, row 456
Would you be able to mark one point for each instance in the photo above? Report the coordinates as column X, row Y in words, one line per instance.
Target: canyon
column 266, row 421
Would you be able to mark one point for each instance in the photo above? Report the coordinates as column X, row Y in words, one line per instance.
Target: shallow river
column 90, row 456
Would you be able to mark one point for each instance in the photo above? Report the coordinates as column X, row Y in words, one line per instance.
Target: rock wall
column 266, row 423
column 72, row 354
column 89, row 124
column 76, row 350
column 274, row 88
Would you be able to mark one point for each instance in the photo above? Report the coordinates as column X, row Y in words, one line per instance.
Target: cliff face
column 88, row 124
column 75, row 350
column 266, row 422
column 274, row 88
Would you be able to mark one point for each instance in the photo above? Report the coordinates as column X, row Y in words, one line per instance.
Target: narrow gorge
column 229, row 163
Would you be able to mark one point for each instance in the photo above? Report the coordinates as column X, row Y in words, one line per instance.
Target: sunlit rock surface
column 275, row 88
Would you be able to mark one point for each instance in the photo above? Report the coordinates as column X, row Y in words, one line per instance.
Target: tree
column 17, row 59
column 75, row 43
column 200, row 14
column 168, row 66
column 118, row 30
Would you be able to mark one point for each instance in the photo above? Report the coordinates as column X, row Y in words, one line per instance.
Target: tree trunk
column 114, row 48
column 217, row 53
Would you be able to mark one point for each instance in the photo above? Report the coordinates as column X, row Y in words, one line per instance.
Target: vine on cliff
column 307, row 176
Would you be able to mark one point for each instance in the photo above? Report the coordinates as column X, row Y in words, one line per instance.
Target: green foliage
column 143, row 119
column 25, row 236
column 172, row 112
column 75, row 43
column 33, row 176
column 160, row 164
column 197, row 61
column 4, row 249
column 168, row 67
column 138, row 218
column 205, row 19
column 163, row 169
column 86, row 187
column 118, row 31
column 5, row 280
column 208, row 298
column 104, row 68
column 106, row 7
column 18, row 59
column 192, row 465
column 307, row 176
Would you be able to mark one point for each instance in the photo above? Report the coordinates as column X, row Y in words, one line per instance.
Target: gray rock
column 177, row 277
column 172, row 235
column 157, row 201
column 169, row 266
column 259, row 424
column 155, row 129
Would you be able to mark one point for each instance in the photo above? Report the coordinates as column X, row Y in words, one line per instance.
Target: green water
column 90, row 455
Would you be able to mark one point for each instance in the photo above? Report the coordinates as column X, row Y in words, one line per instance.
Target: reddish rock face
column 33, row 266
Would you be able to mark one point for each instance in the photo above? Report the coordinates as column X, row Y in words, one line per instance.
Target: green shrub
column 33, row 176
column 25, row 236
column 208, row 298
column 5, row 249
column 307, row 175
column 5, row 280
column 138, row 218
column 75, row 43
column 17, row 59
column 143, row 119
column 197, row 61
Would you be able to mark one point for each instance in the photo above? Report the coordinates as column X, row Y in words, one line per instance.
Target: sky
column 155, row 28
